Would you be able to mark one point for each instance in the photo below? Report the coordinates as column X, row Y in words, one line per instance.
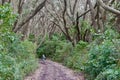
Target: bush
column 78, row 57
column 18, row 61
column 109, row 74
column 102, row 60
column 49, row 46
column 17, row 58
column 7, row 68
column 56, row 48
column 63, row 50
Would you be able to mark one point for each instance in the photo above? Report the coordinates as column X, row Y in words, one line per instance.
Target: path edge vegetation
column 17, row 58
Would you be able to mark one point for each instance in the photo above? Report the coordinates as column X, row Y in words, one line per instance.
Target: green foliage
column 18, row 61
column 109, row 34
column 17, row 57
column 7, row 17
column 103, row 58
column 52, row 47
column 84, row 26
column 32, row 37
column 78, row 56
column 62, row 51
column 6, row 21
column 47, row 48
column 109, row 74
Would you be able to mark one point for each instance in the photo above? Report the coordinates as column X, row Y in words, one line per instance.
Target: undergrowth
column 17, row 58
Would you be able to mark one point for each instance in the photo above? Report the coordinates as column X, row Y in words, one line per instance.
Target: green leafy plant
column 78, row 57
column 17, row 58
column 103, row 58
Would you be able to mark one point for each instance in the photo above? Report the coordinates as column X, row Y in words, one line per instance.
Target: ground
column 53, row 71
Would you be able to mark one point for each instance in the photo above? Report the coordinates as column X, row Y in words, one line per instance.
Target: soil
column 50, row 70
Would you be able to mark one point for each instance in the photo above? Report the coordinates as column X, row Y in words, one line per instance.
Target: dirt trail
column 53, row 71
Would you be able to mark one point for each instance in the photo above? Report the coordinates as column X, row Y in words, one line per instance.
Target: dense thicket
column 17, row 58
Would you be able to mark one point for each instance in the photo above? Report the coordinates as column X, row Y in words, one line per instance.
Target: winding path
column 53, row 71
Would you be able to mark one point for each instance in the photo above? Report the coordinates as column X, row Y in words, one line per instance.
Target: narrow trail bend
column 53, row 71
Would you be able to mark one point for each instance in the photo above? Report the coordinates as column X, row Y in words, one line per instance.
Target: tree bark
column 92, row 15
column 77, row 28
column 64, row 20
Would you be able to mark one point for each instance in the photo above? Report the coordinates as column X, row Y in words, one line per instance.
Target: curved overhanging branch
column 108, row 8
column 30, row 16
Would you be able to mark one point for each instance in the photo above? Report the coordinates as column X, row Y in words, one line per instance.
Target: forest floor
column 53, row 71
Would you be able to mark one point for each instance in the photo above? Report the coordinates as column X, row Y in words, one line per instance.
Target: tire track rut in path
column 53, row 71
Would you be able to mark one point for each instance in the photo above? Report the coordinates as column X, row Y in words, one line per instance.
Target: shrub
column 8, row 68
column 47, row 48
column 103, row 57
column 78, row 57
column 18, row 60
column 109, row 74
column 102, row 60
column 17, row 57
column 63, row 50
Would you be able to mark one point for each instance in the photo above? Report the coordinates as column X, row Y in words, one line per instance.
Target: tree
column 41, row 17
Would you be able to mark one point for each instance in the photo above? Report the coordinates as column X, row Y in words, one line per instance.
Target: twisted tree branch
column 30, row 16
column 108, row 8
